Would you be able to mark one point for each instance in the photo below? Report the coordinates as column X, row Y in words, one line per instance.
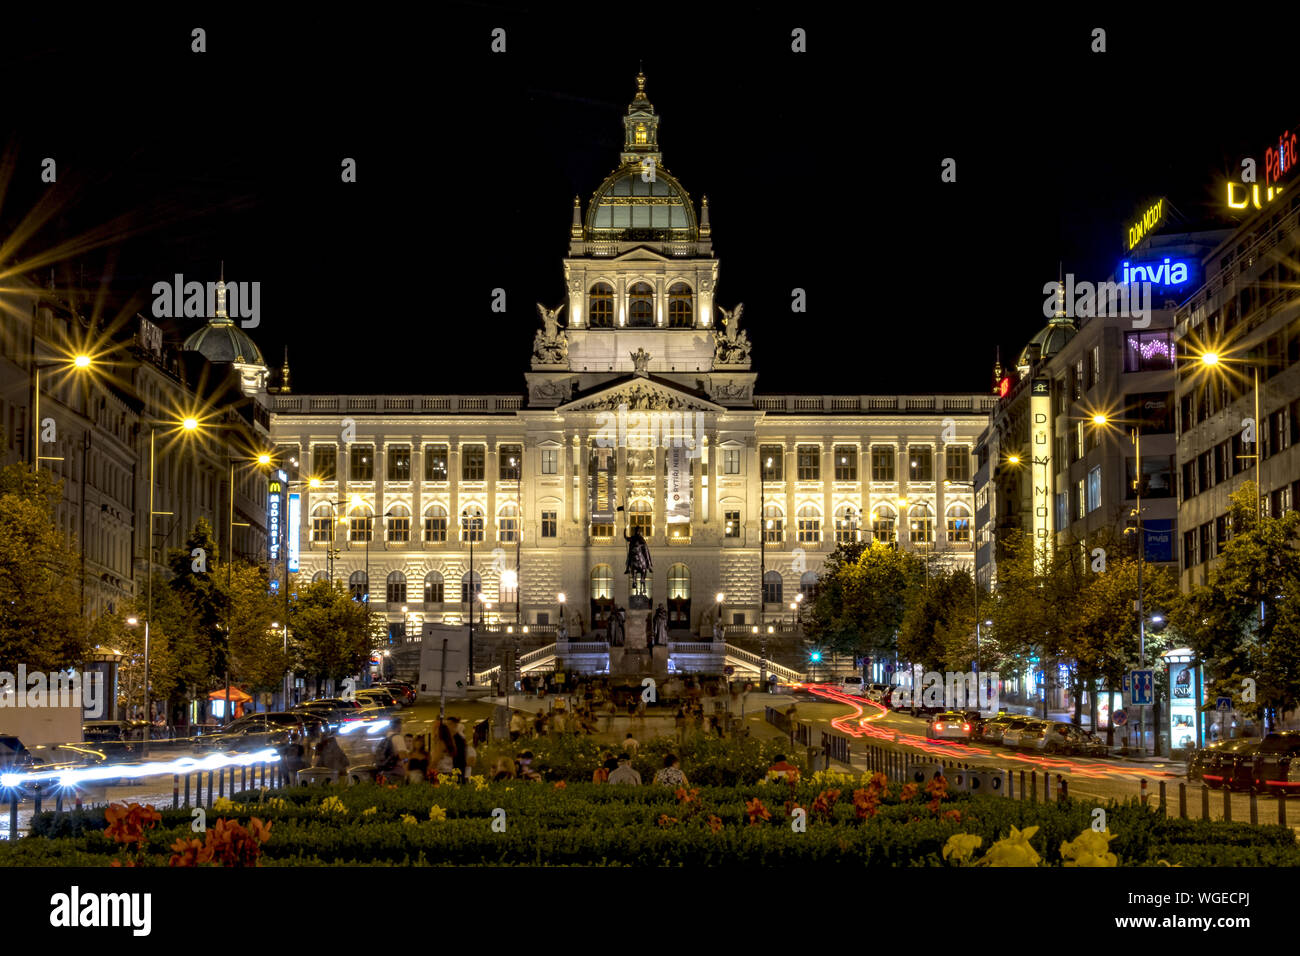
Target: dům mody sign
column 1148, row 221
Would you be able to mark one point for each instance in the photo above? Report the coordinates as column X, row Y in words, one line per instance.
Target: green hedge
column 593, row 824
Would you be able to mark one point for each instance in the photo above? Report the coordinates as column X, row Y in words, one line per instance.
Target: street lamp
column 78, row 362
column 560, row 598
column 763, row 525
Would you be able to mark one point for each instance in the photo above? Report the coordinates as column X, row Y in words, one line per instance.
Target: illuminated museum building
column 396, row 488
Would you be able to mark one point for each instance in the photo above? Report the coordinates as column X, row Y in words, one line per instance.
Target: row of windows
column 1232, row 456
column 640, row 306
column 473, row 462
column 361, row 524
column 808, row 462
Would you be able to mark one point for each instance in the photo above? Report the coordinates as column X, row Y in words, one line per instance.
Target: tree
column 256, row 653
column 937, row 630
column 861, row 597
column 332, row 635
column 41, row 624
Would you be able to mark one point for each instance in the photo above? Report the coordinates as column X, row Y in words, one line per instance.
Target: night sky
column 822, row 170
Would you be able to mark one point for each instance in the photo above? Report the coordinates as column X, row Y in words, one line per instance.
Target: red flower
column 756, row 811
column 560, row 785
column 825, row 802
column 128, row 823
column 909, row 792
column 687, row 796
column 715, row 823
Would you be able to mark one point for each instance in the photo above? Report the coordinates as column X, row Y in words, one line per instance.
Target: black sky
column 822, row 169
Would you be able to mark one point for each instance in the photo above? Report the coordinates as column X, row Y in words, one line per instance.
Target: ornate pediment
column 642, row 395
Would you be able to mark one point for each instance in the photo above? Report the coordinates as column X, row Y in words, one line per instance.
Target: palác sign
column 1278, row 163
column 1147, row 223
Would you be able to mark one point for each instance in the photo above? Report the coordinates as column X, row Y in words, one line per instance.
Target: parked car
column 1198, row 760
column 1277, row 767
column 880, row 693
column 376, row 700
column 949, row 725
column 1013, row 730
column 335, row 713
column 1232, row 765
column 14, row 757
column 256, row 731
column 852, row 684
column 403, row 691
column 1088, row 744
column 1049, row 736
column 991, row 730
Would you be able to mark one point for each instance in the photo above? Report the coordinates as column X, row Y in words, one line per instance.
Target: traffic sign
column 728, row 670
column 1144, row 687
column 1223, row 704
column 1126, row 686
column 1119, row 718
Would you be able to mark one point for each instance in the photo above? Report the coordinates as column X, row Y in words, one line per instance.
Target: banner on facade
column 678, row 501
column 295, row 522
column 602, row 486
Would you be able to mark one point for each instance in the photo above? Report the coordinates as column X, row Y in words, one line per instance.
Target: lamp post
column 762, row 532
column 518, row 466
column 718, row 599
column 560, row 599
column 78, row 362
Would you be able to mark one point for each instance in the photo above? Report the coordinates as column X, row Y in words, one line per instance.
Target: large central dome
column 627, row 207
column 221, row 340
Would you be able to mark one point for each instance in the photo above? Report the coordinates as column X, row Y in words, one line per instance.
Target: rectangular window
column 1080, row 499
column 1080, row 440
column 1203, row 471
column 1189, row 480
column 921, row 462
column 550, row 524
column 602, row 531
column 810, row 462
column 809, row 526
column 1220, row 533
column 771, row 458
column 508, row 527
column 731, row 524
column 399, row 528
column 1153, row 411
column 1206, row 541
column 435, row 462
column 322, row 527
column 399, row 463
column 435, row 527
column 773, row 527
column 550, row 461
column 325, row 462
column 1148, row 351
column 640, row 521
column 509, row 461
column 1157, row 476
column 1078, row 380
column 471, row 526
column 957, row 463
column 1189, row 549
column 1094, row 489
column 361, row 459
column 1096, row 366
column 362, row 526
column 731, row 461
column 473, row 462
column 846, row 463
column 1062, row 509
column 882, row 463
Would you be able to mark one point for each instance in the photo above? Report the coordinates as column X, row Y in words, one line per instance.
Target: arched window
column 772, row 587
column 359, row 586
column 810, row 524
column 920, row 520
column 958, row 523
column 322, row 523
column 362, row 524
column 602, row 583
column 808, row 585
column 435, row 523
column 320, row 576
column 679, row 582
column 464, row 585
column 399, row 523
column 508, row 523
column 681, row 309
column 396, row 590
column 773, row 524
column 846, row 524
column 640, row 515
column 882, row 523
column 600, row 310
column 641, row 306
column 471, row 524
column 433, row 588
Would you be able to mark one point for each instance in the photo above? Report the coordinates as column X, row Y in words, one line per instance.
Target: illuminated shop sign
column 295, row 519
column 1165, row 274
column 1279, row 161
column 1246, row 195
column 1147, row 223
column 274, row 498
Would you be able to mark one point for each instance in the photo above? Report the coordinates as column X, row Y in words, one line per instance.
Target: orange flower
column 937, row 788
column 866, row 802
column 189, row 853
column 666, row 821
column 127, row 823
column 953, row 815
column 715, row 823
column 560, row 785
column 686, row 796
column 909, row 792
column 825, row 802
column 756, row 811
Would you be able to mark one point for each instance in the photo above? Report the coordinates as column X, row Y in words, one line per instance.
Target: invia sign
column 1165, row 274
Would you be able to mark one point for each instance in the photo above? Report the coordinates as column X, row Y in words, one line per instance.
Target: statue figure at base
column 660, row 626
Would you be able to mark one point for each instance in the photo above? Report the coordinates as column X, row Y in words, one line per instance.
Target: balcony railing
column 973, row 404
column 401, row 404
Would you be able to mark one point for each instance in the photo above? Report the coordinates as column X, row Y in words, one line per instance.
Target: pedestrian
column 679, row 721
column 460, row 758
column 391, row 754
column 781, row 769
column 631, row 744
column 671, row 775
column 525, row 769
column 539, row 723
column 625, row 772
column 516, row 725
column 601, row 773
column 443, row 758
column 330, row 755
column 417, row 763
column 503, row 769
column 291, row 759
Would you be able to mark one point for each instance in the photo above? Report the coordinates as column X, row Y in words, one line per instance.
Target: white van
column 853, row 684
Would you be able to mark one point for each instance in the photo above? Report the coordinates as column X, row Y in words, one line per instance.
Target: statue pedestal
column 638, row 602
column 636, row 633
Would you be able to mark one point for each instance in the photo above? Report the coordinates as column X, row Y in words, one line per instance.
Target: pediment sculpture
column 731, row 345
column 638, row 397
column 550, row 345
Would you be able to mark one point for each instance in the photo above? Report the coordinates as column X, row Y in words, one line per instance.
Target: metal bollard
column 1227, row 803
column 198, row 789
column 209, row 788
column 58, row 802
column 176, row 790
column 1062, row 789
column 1254, row 809
column 36, row 808
column 1182, row 801
column 1023, row 791
column 243, row 778
column 187, row 789
column 1164, row 802
column 13, row 814
column 1011, row 784
column 1144, row 791
column 1033, row 786
column 1281, row 809
column 1205, row 802
column 221, row 782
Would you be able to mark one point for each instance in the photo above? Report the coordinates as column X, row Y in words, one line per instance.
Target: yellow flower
column 437, row 813
column 1013, row 850
column 409, row 820
column 333, row 805
column 224, row 805
column 480, row 783
column 370, row 812
column 1089, row 848
column 960, row 846
column 275, row 803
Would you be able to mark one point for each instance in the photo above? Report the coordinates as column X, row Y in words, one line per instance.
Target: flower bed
column 826, row 818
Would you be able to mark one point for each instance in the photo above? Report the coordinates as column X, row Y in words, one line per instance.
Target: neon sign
column 1277, row 162
column 1167, row 274
column 1150, row 219
column 274, row 498
column 1250, row 197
